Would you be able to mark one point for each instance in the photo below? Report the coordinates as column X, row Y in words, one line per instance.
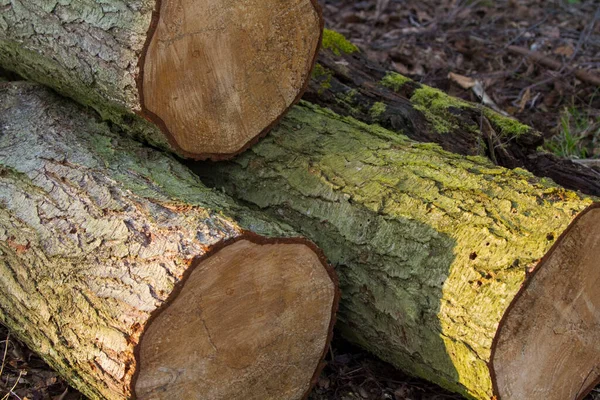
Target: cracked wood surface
column 212, row 75
column 97, row 233
column 431, row 247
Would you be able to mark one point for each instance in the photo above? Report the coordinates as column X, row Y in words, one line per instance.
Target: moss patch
column 394, row 81
column 348, row 99
column 337, row 43
column 435, row 105
column 323, row 76
column 508, row 127
column 377, row 109
column 386, row 209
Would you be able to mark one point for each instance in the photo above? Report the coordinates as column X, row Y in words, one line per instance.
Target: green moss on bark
column 436, row 106
column 377, row 110
column 394, row 81
column 507, row 127
column 337, row 43
column 323, row 76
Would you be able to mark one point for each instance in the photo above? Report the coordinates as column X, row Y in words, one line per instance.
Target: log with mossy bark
column 132, row 279
column 476, row 277
column 212, row 75
column 348, row 83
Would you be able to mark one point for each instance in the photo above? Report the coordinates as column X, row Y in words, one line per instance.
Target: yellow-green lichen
column 386, row 210
column 435, row 105
column 377, row 110
column 394, row 81
column 337, row 43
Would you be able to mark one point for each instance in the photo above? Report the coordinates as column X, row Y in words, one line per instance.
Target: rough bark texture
column 431, row 247
column 95, row 233
column 213, row 76
column 348, row 83
column 88, row 50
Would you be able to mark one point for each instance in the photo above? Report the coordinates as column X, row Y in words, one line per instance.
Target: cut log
column 213, row 76
column 348, row 83
column 131, row 278
column 476, row 277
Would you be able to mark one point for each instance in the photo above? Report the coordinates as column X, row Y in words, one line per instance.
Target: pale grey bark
column 86, row 49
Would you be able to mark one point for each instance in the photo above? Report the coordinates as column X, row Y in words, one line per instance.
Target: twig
column 10, row 391
column 530, row 28
column 582, row 75
column 5, row 352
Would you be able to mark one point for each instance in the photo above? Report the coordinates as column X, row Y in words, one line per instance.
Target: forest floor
column 427, row 40
column 476, row 39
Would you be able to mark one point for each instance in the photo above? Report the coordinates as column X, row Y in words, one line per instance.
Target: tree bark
column 132, row 279
column 351, row 85
column 438, row 254
column 212, row 77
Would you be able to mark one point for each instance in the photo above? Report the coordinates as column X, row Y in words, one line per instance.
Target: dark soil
column 24, row 375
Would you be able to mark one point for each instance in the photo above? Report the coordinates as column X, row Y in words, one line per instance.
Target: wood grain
column 99, row 235
column 251, row 322
column 548, row 344
column 217, row 73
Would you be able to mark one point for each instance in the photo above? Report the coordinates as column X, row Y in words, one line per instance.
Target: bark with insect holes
column 438, row 254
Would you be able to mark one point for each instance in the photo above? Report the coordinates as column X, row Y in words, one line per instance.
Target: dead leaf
column 323, row 383
column 400, row 68
column 423, row 16
column 486, row 100
column 524, row 100
column 565, row 50
column 463, row 81
column 402, row 393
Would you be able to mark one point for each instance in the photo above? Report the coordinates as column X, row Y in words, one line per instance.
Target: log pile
column 459, row 260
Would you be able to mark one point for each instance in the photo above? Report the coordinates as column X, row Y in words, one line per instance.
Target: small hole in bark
column 487, row 244
column 74, row 230
column 550, row 237
column 473, row 256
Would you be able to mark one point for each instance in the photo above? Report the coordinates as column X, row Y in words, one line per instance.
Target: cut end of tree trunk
column 251, row 321
column 547, row 344
column 215, row 76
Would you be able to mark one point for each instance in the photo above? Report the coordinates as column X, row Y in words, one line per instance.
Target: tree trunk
column 438, row 254
column 212, row 77
column 132, row 279
column 348, row 83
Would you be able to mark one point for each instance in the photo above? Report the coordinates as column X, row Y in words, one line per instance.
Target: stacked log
column 213, row 76
column 476, row 277
column 132, row 279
